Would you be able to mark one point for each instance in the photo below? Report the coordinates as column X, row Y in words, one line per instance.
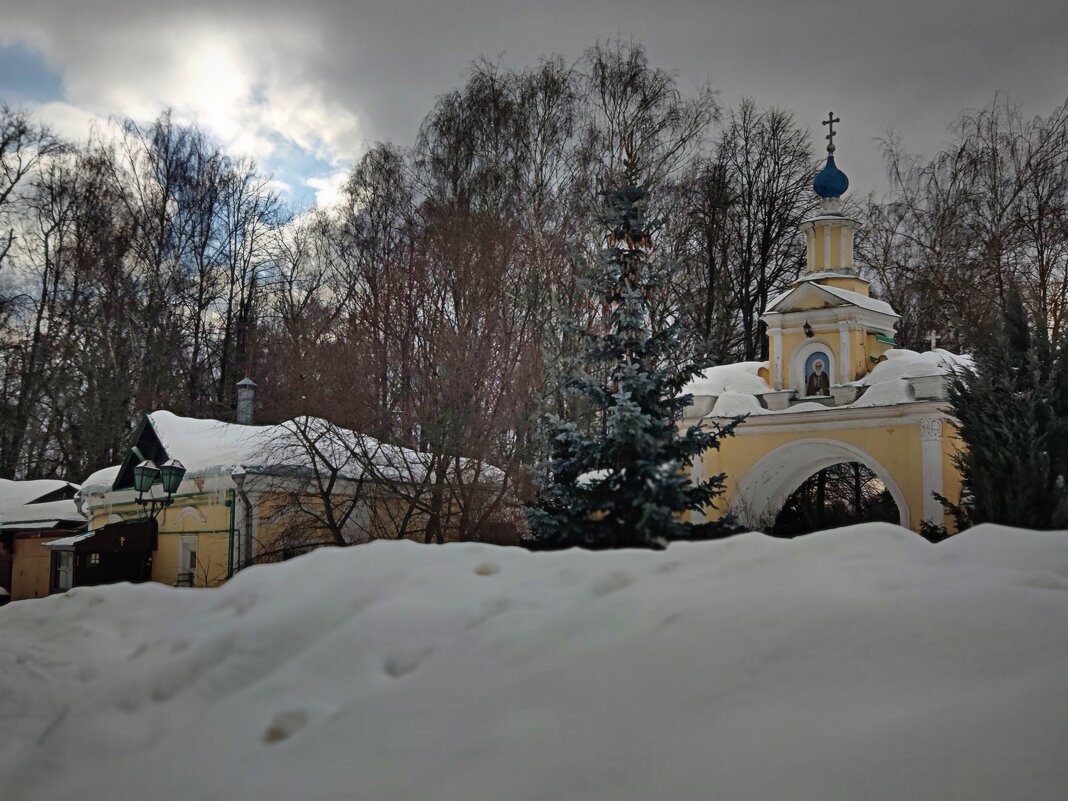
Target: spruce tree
column 624, row 484
column 1011, row 412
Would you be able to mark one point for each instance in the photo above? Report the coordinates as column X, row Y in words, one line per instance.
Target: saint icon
column 819, row 383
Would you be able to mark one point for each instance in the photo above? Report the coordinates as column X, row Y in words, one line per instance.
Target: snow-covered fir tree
column 626, row 484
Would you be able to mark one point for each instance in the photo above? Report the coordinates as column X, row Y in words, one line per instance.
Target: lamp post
column 170, row 474
column 244, row 550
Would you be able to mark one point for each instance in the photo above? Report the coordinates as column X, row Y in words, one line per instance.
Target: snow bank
column 862, row 663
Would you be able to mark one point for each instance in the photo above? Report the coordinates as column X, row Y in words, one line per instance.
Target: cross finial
column 829, row 122
column 933, row 337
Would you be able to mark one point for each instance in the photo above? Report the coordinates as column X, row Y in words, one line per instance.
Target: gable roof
column 44, row 503
column 831, row 295
column 215, row 447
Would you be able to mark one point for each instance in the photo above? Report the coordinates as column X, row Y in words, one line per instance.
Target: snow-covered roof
column 738, row 377
column 20, row 505
column 863, row 301
column 904, row 363
column 66, row 542
column 738, row 385
column 18, row 493
column 214, row 447
column 735, row 404
column 836, row 296
column 101, row 479
column 830, row 274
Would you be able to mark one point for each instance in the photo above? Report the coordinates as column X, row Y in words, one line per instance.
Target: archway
column 840, row 495
column 765, row 488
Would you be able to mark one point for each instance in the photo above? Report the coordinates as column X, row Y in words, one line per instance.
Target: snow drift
column 862, row 663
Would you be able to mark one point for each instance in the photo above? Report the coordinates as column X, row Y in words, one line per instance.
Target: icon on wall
column 817, row 379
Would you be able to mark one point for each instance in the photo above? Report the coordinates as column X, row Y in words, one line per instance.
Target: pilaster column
column 697, row 475
column 776, row 359
column 845, row 356
column 931, row 440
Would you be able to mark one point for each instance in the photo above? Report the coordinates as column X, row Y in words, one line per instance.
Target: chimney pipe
column 246, row 400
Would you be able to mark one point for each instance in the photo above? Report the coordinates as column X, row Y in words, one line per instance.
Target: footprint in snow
column 403, row 663
column 284, row 725
column 610, row 583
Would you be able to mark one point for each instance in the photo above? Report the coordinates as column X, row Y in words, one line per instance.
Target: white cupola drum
column 829, row 235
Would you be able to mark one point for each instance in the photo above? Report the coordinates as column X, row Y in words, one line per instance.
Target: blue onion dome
column 831, row 181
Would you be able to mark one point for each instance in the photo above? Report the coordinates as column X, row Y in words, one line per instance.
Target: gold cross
column 829, row 122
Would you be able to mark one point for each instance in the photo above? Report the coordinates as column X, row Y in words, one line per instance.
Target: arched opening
column 764, row 490
column 835, row 496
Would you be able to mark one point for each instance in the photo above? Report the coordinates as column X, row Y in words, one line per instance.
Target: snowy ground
column 861, row 664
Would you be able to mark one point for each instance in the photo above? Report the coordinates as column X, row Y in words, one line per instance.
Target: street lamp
column 170, row 474
column 243, row 556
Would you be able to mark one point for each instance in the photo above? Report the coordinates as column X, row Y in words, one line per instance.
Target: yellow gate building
column 834, row 390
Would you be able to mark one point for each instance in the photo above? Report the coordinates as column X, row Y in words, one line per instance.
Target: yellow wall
column 897, row 447
column 32, row 568
column 205, row 517
column 862, row 347
column 202, row 516
column 825, row 245
column 857, row 285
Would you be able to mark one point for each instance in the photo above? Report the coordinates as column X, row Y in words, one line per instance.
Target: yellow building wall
column 32, row 568
column 205, row 517
column 896, row 447
column 852, row 284
column 165, row 558
column 862, row 348
column 825, row 245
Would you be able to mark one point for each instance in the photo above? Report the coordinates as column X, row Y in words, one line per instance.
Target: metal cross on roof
column 829, row 122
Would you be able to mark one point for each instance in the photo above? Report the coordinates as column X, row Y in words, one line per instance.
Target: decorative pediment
column 809, row 295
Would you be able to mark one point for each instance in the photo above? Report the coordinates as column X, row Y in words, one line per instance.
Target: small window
column 94, row 559
column 192, row 560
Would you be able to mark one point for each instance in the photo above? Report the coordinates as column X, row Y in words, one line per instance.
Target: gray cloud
column 370, row 70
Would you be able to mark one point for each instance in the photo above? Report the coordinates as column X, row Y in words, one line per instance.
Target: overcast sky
column 305, row 85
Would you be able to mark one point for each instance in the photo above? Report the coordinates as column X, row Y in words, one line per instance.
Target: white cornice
column 829, row 318
column 838, row 417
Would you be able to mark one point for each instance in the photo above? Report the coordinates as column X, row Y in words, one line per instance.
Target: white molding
column 931, row 439
column 845, row 361
column 831, row 316
column 833, row 418
column 697, row 475
column 776, row 368
column 185, row 512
